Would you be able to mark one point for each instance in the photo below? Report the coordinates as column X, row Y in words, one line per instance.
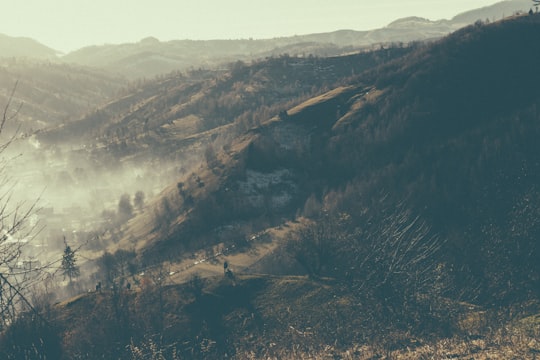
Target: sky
column 67, row 25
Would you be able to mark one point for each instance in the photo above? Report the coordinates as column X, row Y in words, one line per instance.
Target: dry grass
column 184, row 127
column 511, row 340
column 293, row 317
column 328, row 96
column 514, row 347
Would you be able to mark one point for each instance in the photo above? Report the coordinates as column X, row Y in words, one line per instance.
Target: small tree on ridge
column 69, row 263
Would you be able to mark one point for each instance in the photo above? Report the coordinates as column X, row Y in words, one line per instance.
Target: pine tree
column 69, row 263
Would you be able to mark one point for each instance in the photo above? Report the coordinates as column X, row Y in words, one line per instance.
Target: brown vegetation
column 419, row 180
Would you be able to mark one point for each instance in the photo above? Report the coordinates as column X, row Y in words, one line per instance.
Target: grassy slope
column 295, row 316
column 289, row 317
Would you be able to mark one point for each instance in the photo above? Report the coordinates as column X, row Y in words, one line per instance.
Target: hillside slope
column 416, row 183
column 494, row 12
column 448, row 131
column 53, row 93
column 24, row 48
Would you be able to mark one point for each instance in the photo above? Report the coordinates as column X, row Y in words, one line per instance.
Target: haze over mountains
column 370, row 204
column 151, row 57
column 24, row 47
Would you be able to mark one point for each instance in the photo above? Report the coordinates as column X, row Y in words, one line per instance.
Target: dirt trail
column 261, row 245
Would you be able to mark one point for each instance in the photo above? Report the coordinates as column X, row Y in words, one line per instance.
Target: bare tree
column 395, row 258
column 313, row 246
column 15, row 231
column 151, row 299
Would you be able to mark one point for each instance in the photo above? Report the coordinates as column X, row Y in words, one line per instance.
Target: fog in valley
column 356, row 179
column 78, row 197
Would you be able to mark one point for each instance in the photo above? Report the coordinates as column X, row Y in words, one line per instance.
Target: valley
column 378, row 203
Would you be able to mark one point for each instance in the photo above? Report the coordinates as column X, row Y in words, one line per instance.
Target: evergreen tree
column 69, row 263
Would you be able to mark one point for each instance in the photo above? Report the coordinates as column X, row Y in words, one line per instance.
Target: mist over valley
column 354, row 194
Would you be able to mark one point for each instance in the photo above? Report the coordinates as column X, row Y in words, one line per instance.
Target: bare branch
column 14, row 234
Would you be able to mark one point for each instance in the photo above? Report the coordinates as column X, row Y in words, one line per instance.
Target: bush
column 31, row 337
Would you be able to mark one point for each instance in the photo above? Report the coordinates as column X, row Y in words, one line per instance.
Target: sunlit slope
column 168, row 110
column 445, row 137
column 53, row 93
column 450, row 129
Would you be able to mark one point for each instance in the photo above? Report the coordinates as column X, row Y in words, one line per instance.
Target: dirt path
column 261, row 245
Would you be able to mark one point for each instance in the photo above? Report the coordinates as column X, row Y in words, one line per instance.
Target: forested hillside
column 390, row 198
column 54, row 93
column 454, row 137
column 447, row 132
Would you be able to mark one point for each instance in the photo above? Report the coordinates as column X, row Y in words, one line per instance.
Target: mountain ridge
column 162, row 57
column 404, row 182
column 150, row 58
column 25, row 47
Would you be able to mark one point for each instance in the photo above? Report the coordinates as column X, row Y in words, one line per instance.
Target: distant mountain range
column 493, row 12
column 391, row 196
column 150, row 57
column 24, row 47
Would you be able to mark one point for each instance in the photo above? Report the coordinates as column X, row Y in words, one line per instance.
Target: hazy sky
column 70, row 24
